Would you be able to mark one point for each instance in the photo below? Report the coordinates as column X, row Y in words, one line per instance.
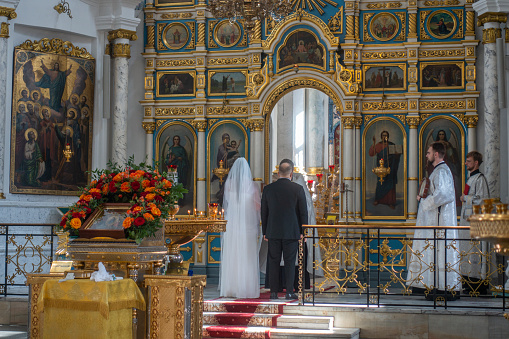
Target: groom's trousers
column 289, row 248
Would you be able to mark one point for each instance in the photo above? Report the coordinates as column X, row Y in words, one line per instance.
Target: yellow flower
column 137, row 209
column 75, row 223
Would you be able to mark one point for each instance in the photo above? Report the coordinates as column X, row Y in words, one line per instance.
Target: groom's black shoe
column 291, row 296
column 273, row 295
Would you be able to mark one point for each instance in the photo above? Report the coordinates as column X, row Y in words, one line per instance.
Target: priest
column 433, row 264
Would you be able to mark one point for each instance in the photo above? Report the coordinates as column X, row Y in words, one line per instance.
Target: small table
column 82, row 308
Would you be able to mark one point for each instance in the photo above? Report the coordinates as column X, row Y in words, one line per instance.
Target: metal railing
column 27, row 248
column 380, row 266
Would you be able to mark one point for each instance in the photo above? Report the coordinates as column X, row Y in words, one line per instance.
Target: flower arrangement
column 149, row 192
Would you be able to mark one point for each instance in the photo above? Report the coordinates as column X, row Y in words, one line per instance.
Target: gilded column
column 348, row 162
column 5, row 14
column 413, row 169
column 350, row 27
column 149, row 127
column 120, row 51
column 491, row 31
column 201, row 191
column 471, row 122
column 358, row 170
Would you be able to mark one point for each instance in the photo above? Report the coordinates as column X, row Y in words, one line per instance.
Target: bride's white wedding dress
column 239, row 274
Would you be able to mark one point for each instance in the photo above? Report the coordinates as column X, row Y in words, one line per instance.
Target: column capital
column 10, row 13
column 348, row 122
column 471, row 121
column 358, row 122
column 490, row 35
column 122, row 34
column 118, row 50
column 200, row 125
column 149, row 127
column 491, row 17
column 255, row 125
column 413, row 122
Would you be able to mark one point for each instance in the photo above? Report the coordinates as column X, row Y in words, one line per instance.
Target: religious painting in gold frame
column 384, row 26
column 442, row 75
column 384, row 198
column 227, row 34
column 386, row 77
column 175, row 144
column 229, row 82
column 227, row 141
column 301, row 47
column 176, row 84
column 52, row 112
column 449, row 131
column 175, row 35
column 441, row 24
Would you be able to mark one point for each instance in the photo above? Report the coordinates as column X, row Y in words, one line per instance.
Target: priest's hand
column 418, row 198
column 265, row 238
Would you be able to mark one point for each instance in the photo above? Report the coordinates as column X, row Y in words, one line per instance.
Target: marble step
column 277, row 333
column 275, row 320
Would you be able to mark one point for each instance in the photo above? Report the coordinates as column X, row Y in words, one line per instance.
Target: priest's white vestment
column 435, row 264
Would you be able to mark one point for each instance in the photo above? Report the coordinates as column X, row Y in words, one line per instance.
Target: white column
column 471, row 122
column 358, row 170
column 257, row 158
column 149, row 127
column 491, row 111
column 5, row 14
column 120, row 51
column 348, row 164
column 201, row 190
column 315, row 114
column 413, row 170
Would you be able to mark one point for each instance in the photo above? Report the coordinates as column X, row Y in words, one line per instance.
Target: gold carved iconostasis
column 52, row 111
column 402, row 68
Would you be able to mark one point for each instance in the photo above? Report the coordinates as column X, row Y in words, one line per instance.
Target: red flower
column 96, row 195
column 139, row 221
column 158, row 198
column 152, row 183
column 76, row 215
column 135, row 185
column 112, row 187
column 63, row 221
column 88, row 210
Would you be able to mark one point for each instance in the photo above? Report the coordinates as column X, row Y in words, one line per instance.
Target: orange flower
column 87, row 197
column 125, row 187
column 150, row 197
column 105, row 189
column 83, row 214
column 150, row 189
column 148, row 216
column 127, row 222
column 155, row 211
column 93, row 183
column 95, row 190
column 167, row 183
column 75, row 223
column 150, row 205
column 117, row 177
column 145, row 183
column 137, row 209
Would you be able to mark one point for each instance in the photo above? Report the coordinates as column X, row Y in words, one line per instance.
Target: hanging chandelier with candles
column 250, row 10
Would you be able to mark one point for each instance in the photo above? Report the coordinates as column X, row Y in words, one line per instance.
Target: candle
column 194, row 212
column 188, row 212
column 331, row 168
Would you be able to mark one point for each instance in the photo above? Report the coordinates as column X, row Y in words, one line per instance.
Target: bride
column 239, row 274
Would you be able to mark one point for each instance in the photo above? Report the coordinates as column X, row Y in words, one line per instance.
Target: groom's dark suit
column 283, row 210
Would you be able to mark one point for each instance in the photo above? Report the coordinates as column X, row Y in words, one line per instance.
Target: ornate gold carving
column 367, row 118
column 470, row 23
column 384, row 55
column 175, row 111
column 258, row 79
column 413, row 104
column 459, row 104
column 255, row 125
column 470, row 73
column 424, row 35
column 4, row 30
column 150, row 36
column 348, row 105
column 413, row 122
column 491, row 17
column 412, row 74
column 228, row 61
column 212, row 122
column 8, row 12
column 459, row 116
column 149, row 15
column 402, row 18
column 381, row 5
column 56, row 46
column 345, row 75
column 412, row 25
column 175, row 63
column 459, row 14
column 159, row 123
column 470, row 120
column 441, row 3
column 490, row 35
column 358, row 122
column 120, row 50
column 177, row 15
column 200, row 81
column 350, row 27
column 384, row 105
column 365, row 33
column 148, row 111
column 160, row 28
column 336, row 22
column 240, row 110
column 401, row 117
column 149, row 127
column 425, row 116
column 471, row 103
column 201, row 34
column 256, row 108
column 199, row 110
column 200, row 125
column 348, row 122
column 471, row 50
column 150, row 63
column 441, row 53
column 122, row 34
column 212, row 43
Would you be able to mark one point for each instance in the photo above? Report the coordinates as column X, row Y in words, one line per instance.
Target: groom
column 284, row 210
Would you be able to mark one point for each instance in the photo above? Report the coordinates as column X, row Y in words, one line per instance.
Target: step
column 274, row 320
column 277, row 333
column 264, row 307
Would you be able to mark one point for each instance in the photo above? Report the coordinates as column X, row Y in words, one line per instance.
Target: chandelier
column 250, row 10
